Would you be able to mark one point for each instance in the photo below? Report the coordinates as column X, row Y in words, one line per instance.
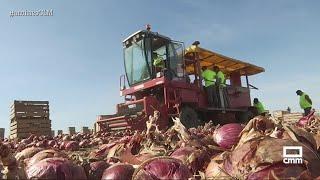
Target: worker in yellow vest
column 259, row 106
column 305, row 102
column 221, row 88
column 209, row 76
column 221, row 79
column 158, row 61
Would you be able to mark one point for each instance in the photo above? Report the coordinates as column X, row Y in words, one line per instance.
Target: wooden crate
column 29, row 109
column 2, row 133
column 96, row 127
column 60, row 132
column 85, row 130
column 279, row 113
column 72, row 130
column 292, row 118
column 28, row 117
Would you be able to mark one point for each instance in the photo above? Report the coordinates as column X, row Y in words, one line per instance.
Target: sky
column 74, row 58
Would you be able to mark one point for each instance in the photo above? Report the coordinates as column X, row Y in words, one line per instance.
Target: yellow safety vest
column 259, row 107
column 209, row 77
column 303, row 102
column 158, row 62
column 221, row 76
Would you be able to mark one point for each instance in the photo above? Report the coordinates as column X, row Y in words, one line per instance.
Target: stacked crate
column 278, row 115
column 96, row 127
column 291, row 118
column 29, row 117
column 85, row 130
column 287, row 118
column 72, row 130
column 2, row 133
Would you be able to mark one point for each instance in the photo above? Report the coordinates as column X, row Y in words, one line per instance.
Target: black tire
column 243, row 117
column 189, row 117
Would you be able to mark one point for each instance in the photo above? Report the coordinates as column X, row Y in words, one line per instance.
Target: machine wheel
column 189, row 117
column 243, row 117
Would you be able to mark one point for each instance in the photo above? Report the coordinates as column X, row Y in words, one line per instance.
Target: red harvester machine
column 176, row 90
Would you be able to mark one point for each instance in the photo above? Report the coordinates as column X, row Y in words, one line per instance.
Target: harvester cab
column 163, row 76
column 148, row 55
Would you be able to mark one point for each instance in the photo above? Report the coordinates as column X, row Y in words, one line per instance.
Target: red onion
column 63, row 145
column 55, row 168
column 304, row 137
column 192, row 157
column 84, row 143
column 72, row 146
column 118, row 171
column 52, row 143
column 227, row 135
column 162, row 168
column 28, row 152
column 19, row 147
column 25, row 141
column 31, row 137
column 264, row 155
column 283, row 171
column 95, row 170
column 49, row 153
column 43, row 143
column 66, row 138
column 215, row 170
column 306, row 119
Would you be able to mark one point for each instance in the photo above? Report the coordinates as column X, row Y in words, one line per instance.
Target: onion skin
column 257, row 155
column 215, row 168
column 84, row 143
column 228, row 135
column 163, row 168
column 52, row 143
column 304, row 137
column 63, row 145
column 194, row 158
column 56, row 169
column 95, row 170
column 49, row 153
column 28, row 153
column 72, row 146
column 66, row 138
column 279, row 170
column 118, row 171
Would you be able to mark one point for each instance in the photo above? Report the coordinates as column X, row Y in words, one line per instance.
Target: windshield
column 137, row 69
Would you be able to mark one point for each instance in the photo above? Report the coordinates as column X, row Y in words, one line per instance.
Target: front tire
column 189, row 117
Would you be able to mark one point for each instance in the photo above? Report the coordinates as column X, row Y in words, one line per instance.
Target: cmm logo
column 292, row 155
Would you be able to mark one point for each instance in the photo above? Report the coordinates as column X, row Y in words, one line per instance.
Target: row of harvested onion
column 251, row 151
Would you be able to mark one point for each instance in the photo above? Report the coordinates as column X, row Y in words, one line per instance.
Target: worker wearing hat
column 259, row 107
column 209, row 76
column 305, row 102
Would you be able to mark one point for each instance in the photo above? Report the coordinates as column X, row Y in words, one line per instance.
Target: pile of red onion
column 230, row 151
